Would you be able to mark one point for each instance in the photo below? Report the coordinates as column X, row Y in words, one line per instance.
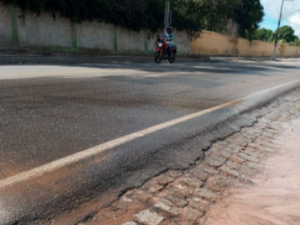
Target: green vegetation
column 188, row 15
column 286, row 35
column 264, row 34
column 248, row 15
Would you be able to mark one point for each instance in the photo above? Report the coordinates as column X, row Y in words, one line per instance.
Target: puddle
column 274, row 199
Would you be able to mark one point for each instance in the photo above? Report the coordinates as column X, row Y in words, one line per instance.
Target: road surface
column 49, row 112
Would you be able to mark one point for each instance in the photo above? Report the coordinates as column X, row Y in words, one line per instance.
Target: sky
column 290, row 14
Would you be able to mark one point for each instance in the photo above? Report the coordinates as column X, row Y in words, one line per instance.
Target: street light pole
column 277, row 32
column 167, row 10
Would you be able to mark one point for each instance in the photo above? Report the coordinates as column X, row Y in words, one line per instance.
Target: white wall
column 182, row 41
column 130, row 41
column 5, row 29
column 95, row 35
column 44, row 31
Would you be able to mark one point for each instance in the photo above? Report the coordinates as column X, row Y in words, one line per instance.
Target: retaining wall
column 45, row 32
column 215, row 44
column 5, row 29
column 59, row 34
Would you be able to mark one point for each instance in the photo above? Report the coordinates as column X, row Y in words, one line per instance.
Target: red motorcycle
column 162, row 50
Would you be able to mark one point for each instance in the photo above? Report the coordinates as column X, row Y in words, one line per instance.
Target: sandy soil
column 274, row 199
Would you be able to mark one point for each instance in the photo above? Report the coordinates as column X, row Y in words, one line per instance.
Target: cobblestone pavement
column 183, row 197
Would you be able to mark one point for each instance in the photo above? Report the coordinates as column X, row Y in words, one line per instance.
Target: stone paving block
column 215, row 184
column 208, row 169
column 229, row 180
column 192, row 183
column 199, row 204
column 152, row 186
column 214, row 161
column 263, row 141
column 268, row 135
column 248, row 151
column 226, row 153
column 174, row 173
column 248, row 158
column 267, row 149
column 166, row 206
column 234, row 149
column 206, row 194
column 177, row 221
column 250, row 137
column 237, row 159
column 183, row 190
column 179, row 202
column 138, row 196
column 233, row 165
column 218, row 155
column 241, row 142
column 230, row 171
column 199, row 174
column 164, row 179
column 191, row 214
column 253, row 145
column 247, row 171
column 126, row 199
column 219, row 145
column 148, row 217
column 117, row 205
column 130, row 223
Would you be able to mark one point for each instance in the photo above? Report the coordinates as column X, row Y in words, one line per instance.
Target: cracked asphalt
column 52, row 111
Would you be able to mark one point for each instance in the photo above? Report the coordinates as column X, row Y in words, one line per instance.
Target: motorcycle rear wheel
column 157, row 57
column 172, row 59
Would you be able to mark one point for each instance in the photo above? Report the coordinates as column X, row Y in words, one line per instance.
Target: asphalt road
column 48, row 112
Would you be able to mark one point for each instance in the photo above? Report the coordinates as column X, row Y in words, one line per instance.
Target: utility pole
column 167, row 11
column 277, row 32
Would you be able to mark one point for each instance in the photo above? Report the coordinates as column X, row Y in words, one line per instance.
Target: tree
column 248, row 14
column 296, row 43
column 149, row 14
column 264, row 34
column 204, row 14
column 286, row 34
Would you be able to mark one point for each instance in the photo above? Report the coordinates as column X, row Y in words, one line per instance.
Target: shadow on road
column 249, row 68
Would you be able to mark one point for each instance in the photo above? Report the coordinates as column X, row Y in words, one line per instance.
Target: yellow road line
column 60, row 163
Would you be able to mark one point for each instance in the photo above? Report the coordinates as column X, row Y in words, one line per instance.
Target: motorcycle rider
column 170, row 40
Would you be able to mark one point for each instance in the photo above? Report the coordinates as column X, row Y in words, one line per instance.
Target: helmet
column 169, row 29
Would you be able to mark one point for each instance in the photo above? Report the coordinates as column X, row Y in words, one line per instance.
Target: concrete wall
column 5, row 29
column 214, row 44
column 262, row 49
column 96, row 35
column 183, row 42
column 60, row 34
column 130, row 41
column 44, row 31
column 291, row 50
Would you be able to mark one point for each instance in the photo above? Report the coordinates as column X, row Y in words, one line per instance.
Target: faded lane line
column 59, row 73
column 60, row 163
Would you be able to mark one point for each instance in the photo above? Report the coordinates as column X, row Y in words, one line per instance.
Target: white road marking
column 60, row 163
column 79, row 72
column 85, row 74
